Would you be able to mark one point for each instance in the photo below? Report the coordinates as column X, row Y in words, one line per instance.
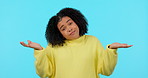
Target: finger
column 29, row 41
column 24, row 44
column 128, row 46
column 124, row 44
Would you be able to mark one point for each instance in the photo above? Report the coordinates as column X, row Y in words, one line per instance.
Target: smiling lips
column 72, row 33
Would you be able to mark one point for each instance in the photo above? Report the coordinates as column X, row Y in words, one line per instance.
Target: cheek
column 77, row 28
column 64, row 33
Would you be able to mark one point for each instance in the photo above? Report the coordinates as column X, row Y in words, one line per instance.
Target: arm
column 44, row 59
column 107, row 59
column 44, row 62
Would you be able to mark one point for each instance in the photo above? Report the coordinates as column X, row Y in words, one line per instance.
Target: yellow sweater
column 84, row 57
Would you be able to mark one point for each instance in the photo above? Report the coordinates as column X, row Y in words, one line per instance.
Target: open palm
column 119, row 45
column 31, row 45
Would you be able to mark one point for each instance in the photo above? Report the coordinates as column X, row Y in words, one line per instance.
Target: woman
column 70, row 53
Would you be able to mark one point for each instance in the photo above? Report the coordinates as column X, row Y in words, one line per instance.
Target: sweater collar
column 75, row 41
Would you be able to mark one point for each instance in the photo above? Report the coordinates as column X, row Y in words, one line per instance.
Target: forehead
column 63, row 20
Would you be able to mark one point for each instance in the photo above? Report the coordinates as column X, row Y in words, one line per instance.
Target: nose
column 70, row 29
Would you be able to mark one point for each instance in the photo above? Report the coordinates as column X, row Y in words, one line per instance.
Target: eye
column 64, row 28
column 70, row 23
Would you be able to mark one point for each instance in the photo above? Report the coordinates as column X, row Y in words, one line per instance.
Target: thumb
column 29, row 42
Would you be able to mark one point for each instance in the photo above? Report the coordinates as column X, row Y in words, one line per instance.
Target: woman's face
column 68, row 28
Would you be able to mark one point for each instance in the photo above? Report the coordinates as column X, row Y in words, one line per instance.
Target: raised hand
column 32, row 45
column 119, row 45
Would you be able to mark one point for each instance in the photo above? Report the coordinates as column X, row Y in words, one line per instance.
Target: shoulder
column 49, row 46
column 91, row 37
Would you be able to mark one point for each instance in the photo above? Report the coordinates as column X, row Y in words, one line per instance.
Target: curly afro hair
column 53, row 35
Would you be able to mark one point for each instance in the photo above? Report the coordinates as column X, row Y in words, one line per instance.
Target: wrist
column 39, row 48
column 110, row 47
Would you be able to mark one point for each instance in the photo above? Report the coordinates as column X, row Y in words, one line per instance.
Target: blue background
column 123, row 21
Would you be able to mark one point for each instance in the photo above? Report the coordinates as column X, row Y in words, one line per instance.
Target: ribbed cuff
column 111, row 50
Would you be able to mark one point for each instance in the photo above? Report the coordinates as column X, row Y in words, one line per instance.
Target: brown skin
column 68, row 28
column 70, row 31
column 119, row 45
column 31, row 44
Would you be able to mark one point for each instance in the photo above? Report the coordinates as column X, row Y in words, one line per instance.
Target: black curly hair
column 53, row 35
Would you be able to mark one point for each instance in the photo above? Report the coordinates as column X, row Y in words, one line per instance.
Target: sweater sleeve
column 106, row 59
column 44, row 62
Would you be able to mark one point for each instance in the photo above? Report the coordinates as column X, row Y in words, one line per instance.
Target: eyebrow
column 66, row 22
column 61, row 26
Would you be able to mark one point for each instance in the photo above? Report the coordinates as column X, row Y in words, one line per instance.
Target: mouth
column 72, row 33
